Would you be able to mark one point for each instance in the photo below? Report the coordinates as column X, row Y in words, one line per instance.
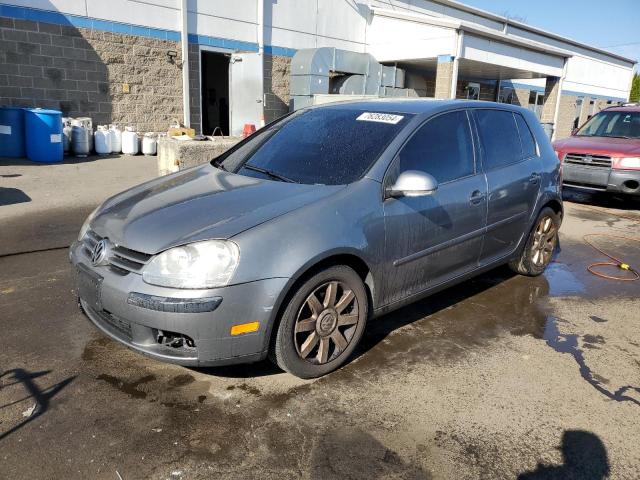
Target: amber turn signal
column 245, row 328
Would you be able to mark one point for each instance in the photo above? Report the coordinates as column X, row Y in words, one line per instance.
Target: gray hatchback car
column 287, row 244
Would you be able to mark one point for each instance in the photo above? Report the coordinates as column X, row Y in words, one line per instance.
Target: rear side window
column 441, row 147
column 528, row 142
column 500, row 138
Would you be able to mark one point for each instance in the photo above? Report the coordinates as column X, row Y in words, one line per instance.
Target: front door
column 246, row 91
column 431, row 239
column 512, row 168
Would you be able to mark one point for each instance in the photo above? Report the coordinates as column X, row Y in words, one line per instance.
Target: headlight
column 207, row 264
column 87, row 224
column 629, row 162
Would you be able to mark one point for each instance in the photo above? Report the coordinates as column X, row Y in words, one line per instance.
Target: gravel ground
column 499, row 377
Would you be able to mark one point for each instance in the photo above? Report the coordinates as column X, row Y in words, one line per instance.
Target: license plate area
column 597, row 176
column 89, row 287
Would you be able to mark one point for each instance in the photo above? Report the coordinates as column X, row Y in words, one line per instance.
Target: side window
column 500, row 139
column 528, row 142
column 441, row 147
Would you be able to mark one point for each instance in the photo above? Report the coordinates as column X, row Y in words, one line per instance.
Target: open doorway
column 215, row 92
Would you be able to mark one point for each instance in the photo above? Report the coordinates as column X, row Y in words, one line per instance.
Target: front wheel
column 322, row 323
column 541, row 244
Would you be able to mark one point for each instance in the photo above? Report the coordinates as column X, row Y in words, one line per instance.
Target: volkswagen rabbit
column 290, row 242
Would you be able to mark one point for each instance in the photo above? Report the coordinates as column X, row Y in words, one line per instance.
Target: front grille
column 587, row 159
column 121, row 259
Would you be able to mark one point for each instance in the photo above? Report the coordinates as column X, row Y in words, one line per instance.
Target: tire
column 540, row 246
column 322, row 323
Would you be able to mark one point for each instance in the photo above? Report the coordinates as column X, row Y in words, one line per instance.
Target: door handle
column 476, row 197
column 534, row 178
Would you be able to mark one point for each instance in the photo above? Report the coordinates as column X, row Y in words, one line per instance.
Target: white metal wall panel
column 587, row 75
column 214, row 26
column 392, row 39
column 241, row 10
column 293, row 15
column 342, row 19
column 497, row 53
column 155, row 13
column 72, row 7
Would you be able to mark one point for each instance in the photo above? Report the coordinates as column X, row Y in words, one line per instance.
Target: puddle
column 562, row 281
column 573, row 344
column 130, row 388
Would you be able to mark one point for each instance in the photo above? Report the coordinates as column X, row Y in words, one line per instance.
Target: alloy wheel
column 326, row 323
column 545, row 238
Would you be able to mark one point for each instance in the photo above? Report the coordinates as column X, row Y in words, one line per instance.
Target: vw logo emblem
column 588, row 159
column 100, row 253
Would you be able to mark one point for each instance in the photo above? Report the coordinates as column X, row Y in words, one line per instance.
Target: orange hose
column 616, row 261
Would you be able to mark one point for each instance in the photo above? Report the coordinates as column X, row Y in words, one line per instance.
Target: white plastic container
column 103, row 140
column 116, row 139
column 130, row 142
column 149, row 144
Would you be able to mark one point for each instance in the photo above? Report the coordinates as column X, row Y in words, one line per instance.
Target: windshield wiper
column 277, row 176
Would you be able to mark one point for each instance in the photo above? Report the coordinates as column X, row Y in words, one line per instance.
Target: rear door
column 513, row 171
column 431, row 239
column 246, row 91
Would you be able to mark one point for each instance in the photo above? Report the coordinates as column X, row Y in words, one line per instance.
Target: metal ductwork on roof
column 331, row 70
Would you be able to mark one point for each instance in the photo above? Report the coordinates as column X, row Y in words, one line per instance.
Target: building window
column 506, row 95
column 576, row 119
column 473, row 91
column 536, row 102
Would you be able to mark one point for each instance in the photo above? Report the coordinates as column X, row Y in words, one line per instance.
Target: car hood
column 616, row 147
column 197, row 204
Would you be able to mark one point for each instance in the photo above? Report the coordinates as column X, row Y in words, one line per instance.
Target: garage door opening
column 215, row 93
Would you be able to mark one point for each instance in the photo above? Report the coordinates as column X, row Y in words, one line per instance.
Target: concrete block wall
column 566, row 116
column 444, row 74
column 195, row 100
column 82, row 73
column 277, row 74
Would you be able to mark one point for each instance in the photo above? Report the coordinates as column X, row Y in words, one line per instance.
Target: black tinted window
column 441, row 147
column 500, row 139
column 330, row 146
column 528, row 143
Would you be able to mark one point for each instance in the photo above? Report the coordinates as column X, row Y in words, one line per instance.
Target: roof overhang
column 507, row 22
column 472, row 28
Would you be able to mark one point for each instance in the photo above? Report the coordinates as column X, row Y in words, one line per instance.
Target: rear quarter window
column 500, row 138
column 528, row 141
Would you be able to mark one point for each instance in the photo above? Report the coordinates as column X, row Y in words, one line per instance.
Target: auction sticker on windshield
column 380, row 117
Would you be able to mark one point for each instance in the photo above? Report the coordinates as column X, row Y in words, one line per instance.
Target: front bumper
column 140, row 315
column 601, row 179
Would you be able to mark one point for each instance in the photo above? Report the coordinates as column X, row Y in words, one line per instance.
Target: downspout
column 556, row 114
column 184, row 40
column 456, row 62
column 263, row 97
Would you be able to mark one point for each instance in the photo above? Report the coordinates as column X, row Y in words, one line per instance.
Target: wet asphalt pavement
column 500, row 377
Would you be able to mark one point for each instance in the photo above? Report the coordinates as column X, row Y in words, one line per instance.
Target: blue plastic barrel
column 43, row 135
column 11, row 132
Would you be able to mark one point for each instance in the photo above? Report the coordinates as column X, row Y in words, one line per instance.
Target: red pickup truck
column 604, row 154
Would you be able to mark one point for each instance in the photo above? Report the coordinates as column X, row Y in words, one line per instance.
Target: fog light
column 245, row 328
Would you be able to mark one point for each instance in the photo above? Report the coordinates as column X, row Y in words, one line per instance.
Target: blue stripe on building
column 57, row 18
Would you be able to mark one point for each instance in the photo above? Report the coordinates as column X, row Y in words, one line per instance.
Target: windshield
column 618, row 124
column 330, row 146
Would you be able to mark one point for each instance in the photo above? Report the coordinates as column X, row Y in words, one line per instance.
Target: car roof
column 414, row 105
column 624, row 108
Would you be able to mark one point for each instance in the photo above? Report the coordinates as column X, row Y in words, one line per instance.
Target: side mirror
column 412, row 183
